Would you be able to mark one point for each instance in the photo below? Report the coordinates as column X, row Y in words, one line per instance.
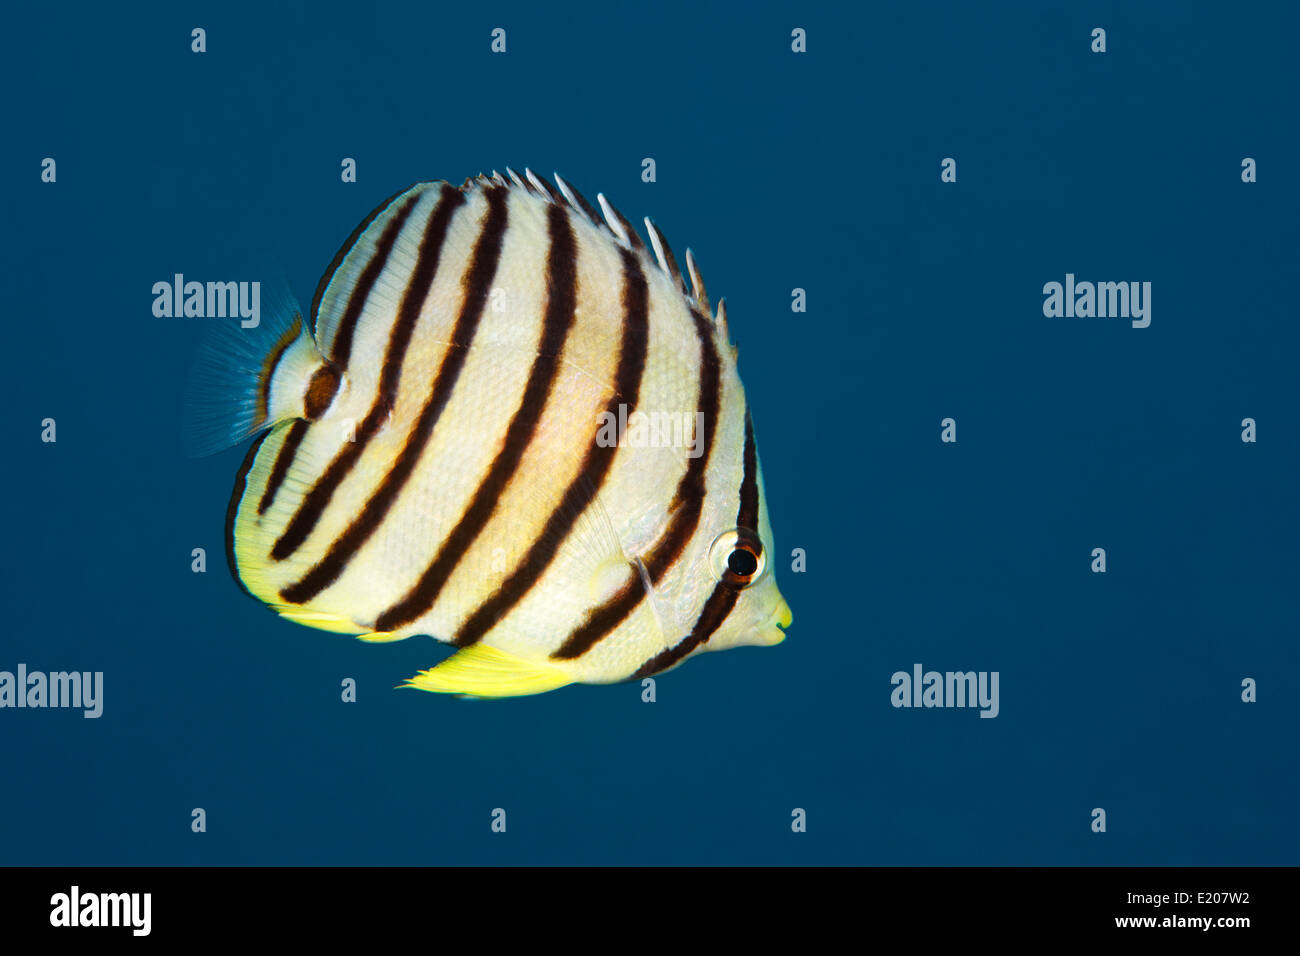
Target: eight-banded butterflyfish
column 505, row 423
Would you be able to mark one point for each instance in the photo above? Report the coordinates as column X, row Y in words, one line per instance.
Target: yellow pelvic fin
column 329, row 621
column 482, row 671
column 321, row 620
column 381, row 637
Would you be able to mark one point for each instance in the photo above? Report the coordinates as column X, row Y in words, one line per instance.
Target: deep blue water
column 818, row 171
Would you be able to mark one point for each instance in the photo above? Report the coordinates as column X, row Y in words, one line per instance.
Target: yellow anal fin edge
column 321, row 620
column 381, row 637
column 328, row 621
column 483, row 671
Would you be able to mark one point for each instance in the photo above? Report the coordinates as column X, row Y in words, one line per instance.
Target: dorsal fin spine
column 540, row 185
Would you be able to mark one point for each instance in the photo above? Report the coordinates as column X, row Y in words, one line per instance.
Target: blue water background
column 924, row 301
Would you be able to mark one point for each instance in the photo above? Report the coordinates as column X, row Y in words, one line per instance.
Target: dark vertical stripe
column 685, row 510
column 356, row 301
column 561, row 310
column 689, row 500
column 232, row 510
column 478, row 287
column 724, row 597
column 268, row 367
column 283, row 458
column 583, row 489
column 341, row 345
column 344, row 249
column 747, row 515
column 417, row 288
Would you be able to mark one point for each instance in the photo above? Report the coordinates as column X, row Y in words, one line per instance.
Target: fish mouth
column 781, row 619
column 784, row 617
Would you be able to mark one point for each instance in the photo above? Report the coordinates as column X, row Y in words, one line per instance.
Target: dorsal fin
column 721, row 320
column 521, row 183
column 664, row 254
column 578, row 202
column 618, row 225
column 562, row 193
column 540, row 185
column 697, row 282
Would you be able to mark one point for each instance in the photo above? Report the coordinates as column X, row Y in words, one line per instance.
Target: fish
column 505, row 423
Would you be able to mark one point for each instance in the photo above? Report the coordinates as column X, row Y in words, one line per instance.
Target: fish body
column 507, row 424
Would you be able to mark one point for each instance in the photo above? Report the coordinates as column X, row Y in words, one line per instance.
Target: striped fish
column 506, row 424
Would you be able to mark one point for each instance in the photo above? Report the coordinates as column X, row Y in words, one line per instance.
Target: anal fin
column 483, row 671
column 321, row 620
column 381, row 637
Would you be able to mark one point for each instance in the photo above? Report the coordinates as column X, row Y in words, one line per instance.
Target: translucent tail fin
column 246, row 379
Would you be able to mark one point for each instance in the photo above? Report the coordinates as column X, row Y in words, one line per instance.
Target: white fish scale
column 334, row 301
column 636, row 495
column 257, row 575
column 374, row 325
column 318, row 449
column 564, row 431
column 691, row 581
column 327, row 438
column 682, row 592
column 468, row 435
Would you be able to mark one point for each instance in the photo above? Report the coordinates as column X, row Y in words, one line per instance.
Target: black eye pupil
column 742, row 563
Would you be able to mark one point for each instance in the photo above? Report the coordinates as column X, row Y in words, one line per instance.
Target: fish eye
column 736, row 558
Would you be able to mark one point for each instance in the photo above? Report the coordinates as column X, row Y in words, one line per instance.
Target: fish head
column 740, row 561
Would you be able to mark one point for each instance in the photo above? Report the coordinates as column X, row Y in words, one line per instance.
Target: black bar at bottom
column 492, row 905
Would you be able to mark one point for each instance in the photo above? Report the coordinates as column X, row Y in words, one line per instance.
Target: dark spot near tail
column 320, row 391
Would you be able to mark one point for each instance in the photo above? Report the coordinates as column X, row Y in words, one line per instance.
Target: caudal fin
column 246, row 379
